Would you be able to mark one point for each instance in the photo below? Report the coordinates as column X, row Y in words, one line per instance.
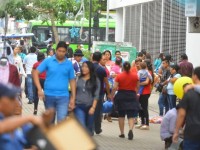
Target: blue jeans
column 59, row 103
column 191, row 145
column 141, row 88
column 82, row 114
column 29, row 82
column 171, row 101
column 162, row 103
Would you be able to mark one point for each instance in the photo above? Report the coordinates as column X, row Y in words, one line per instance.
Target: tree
column 53, row 10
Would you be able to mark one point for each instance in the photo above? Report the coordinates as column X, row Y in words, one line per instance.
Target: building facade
column 154, row 25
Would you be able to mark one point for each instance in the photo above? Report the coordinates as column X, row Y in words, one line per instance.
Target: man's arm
column 115, row 88
column 12, row 123
column 179, row 123
column 107, row 87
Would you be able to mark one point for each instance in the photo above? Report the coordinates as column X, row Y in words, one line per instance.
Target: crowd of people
column 69, row 82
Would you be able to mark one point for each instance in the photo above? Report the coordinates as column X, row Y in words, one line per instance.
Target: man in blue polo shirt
column 59, row 73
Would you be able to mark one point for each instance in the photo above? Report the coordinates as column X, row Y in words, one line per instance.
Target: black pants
column 144, row 113
column 35, row 94
column 98, row 114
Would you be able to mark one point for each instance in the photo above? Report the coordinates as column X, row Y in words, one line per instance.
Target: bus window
column 41, row 33
column 63, row 33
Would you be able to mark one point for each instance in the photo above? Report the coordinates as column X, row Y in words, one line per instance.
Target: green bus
column 66, row 32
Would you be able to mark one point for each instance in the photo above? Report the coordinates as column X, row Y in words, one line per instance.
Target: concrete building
column 193, row 31
column 154, row 25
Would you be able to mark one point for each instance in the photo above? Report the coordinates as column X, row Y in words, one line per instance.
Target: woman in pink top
column 116, row 68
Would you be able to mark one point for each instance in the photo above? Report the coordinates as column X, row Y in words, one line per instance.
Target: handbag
column 107, row 106
column 164, row 89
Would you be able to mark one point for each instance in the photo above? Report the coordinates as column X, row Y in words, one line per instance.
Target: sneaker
column 30, row 102
column 130, row 135
column 144, row 127
column 122, row 136
column 138, row 126
column 35, row 112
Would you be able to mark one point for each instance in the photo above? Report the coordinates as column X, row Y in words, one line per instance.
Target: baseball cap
column 78, row 52
column 9, row 90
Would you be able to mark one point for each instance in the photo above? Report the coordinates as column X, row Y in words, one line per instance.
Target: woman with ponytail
column 125, row 100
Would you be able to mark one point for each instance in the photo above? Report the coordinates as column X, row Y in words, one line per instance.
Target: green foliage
column 31, row 9
column 95, row 7
column 87, row 54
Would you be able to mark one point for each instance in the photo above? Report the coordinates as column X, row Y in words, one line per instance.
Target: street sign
column 192, row 8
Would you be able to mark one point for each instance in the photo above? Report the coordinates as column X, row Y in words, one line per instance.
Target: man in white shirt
column 29, row 60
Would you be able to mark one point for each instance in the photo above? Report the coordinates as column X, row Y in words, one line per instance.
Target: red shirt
column 127, row 81
column 147, row 88
column 43, row 74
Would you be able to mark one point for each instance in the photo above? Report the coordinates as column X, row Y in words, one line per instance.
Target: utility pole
column 90, row 25
column 107, row 21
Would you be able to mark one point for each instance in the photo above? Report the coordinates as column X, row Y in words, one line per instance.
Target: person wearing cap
column 171, row 97
column 81, row 47
column 76, row 62
column 13, row 128
column 186, row 67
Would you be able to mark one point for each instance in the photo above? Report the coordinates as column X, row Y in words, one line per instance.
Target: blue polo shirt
column 15, row 140
column 58, row 75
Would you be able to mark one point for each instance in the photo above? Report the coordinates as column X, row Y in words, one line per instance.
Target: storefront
column 154, row 25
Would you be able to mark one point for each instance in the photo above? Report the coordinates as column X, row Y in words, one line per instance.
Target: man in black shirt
column 189, row 112
column 101, row 73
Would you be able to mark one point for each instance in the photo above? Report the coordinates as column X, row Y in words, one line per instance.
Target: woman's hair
column 126, row 66
column 148, row 56
column 150, row 68
column 91, row 83
column 138, row 60
column 161, row 56
column 40, row 56
column 108, row 52
column 118, row 61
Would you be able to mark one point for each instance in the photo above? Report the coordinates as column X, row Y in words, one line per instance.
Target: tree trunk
column 54, row 29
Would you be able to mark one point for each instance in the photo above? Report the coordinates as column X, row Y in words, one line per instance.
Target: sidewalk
column 109, row 140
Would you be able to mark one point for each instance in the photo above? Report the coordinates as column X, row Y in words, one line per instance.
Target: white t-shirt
column 29, row 61
column 19, row 65
column 170, row 86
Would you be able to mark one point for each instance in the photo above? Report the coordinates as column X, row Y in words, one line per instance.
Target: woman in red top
column 144, row 97
column 125, row 100
column 42, row 76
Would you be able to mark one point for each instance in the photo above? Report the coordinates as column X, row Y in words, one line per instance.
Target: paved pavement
column 109, row 140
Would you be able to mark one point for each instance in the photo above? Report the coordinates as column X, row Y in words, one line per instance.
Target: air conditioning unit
column 194, row 25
